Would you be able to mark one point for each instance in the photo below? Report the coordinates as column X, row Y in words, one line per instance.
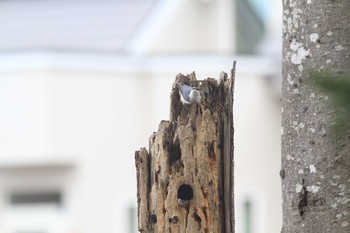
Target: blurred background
column 84, row 83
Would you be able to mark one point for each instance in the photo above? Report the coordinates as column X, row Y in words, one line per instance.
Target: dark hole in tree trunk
column 153, row 218
column 174, row 153
column 185, row 192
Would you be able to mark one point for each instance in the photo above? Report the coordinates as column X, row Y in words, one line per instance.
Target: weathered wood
column 185, row 181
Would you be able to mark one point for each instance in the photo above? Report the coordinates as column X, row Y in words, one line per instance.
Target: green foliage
column 338, row 88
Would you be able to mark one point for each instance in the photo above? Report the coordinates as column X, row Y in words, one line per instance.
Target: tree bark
column 315, row 161
column 185, row 180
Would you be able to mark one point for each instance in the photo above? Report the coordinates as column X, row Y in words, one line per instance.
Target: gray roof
column 93, row 25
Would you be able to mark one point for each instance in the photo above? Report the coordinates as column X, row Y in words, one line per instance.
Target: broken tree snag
column 185, row 180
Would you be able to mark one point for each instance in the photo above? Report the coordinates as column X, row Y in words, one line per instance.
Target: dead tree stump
column 185, row 180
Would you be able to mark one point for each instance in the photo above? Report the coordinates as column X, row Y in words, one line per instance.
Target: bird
column 189, row 95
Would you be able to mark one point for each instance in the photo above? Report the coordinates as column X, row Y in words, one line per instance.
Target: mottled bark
column 185, row 180
column 315, row 161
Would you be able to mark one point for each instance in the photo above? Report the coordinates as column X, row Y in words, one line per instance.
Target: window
column 35, row 198
column 247, row 216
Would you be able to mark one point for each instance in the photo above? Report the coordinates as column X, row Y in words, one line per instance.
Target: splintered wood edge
column 229, row 164
column 142, row 167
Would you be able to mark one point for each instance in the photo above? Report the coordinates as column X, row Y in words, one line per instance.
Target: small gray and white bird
column 189, row 95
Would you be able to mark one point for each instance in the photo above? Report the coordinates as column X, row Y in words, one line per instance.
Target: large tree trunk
column 185, row 180
column 315, row 161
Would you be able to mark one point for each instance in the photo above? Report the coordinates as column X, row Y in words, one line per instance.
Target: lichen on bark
column 315, row 161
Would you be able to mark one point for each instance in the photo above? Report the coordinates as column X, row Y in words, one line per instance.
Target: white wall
column 257, row 154
column 89, row 120
column 79, row 120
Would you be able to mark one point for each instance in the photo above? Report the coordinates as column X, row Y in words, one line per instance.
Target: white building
column 83, row 84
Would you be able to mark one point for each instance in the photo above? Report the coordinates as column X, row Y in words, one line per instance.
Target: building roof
column 69, row 24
